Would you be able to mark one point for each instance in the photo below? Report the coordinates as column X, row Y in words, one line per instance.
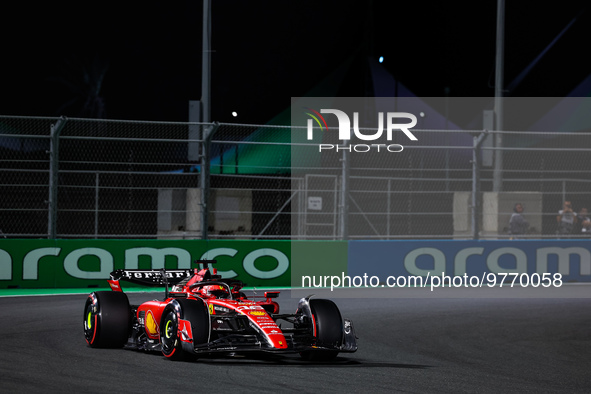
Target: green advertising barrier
column 39, row 263
column 317, row 259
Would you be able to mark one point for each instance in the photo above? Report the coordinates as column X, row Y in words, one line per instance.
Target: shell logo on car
column 257, row 313
column 151, row 325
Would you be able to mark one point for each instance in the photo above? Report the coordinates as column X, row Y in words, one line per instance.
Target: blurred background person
column 566, row 219
column 583, row 222
column 517, row 224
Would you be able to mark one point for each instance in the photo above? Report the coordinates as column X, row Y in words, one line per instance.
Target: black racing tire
column 107, row 319
column 196, row 312
column 327, row 327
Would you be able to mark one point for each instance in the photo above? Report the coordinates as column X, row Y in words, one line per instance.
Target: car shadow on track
column 283, row 361
column 270, row 360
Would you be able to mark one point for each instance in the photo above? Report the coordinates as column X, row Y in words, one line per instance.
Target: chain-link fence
column 444, row 188
column 80, row 178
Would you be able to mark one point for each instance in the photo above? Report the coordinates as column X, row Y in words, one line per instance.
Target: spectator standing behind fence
column 566, row 219
column 583, row 222
column 517, row 224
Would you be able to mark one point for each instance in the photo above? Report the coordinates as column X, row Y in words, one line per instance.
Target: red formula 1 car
column 203, row 314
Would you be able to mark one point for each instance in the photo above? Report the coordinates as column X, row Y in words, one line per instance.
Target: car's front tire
column 194, row 311
column 327, row 328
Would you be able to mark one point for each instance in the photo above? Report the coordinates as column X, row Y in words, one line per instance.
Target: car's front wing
column 298, row 340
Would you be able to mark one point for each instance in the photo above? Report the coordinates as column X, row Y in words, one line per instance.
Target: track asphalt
column 405, row 345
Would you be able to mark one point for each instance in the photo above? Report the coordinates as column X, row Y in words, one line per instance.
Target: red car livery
column 203, row 314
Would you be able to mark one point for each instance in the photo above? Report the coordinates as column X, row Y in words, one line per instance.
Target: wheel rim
column 90, row 323
column 169, row 334
column 168, row 329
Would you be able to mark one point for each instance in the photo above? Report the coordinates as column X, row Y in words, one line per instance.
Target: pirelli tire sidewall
column 327, row 328
column 194, row 311
column 107, row 319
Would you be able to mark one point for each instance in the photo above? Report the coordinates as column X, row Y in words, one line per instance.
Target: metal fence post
column 208, row 133
column 53, row 175
column 498, row 108
column 96, row 204
column 344, row 208
column 476, row 182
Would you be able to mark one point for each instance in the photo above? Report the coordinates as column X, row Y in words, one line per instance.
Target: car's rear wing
column 154, row 277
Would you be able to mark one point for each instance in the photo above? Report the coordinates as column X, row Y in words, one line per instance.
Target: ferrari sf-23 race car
column 203, row 314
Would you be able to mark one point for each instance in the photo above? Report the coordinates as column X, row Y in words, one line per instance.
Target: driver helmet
column 217, row 291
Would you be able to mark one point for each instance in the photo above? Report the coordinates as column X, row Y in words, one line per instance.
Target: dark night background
column 142, row 60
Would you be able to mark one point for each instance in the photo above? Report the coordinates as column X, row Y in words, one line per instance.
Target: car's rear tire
column 195, row 311
column 327, row 327
column 107, row 319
